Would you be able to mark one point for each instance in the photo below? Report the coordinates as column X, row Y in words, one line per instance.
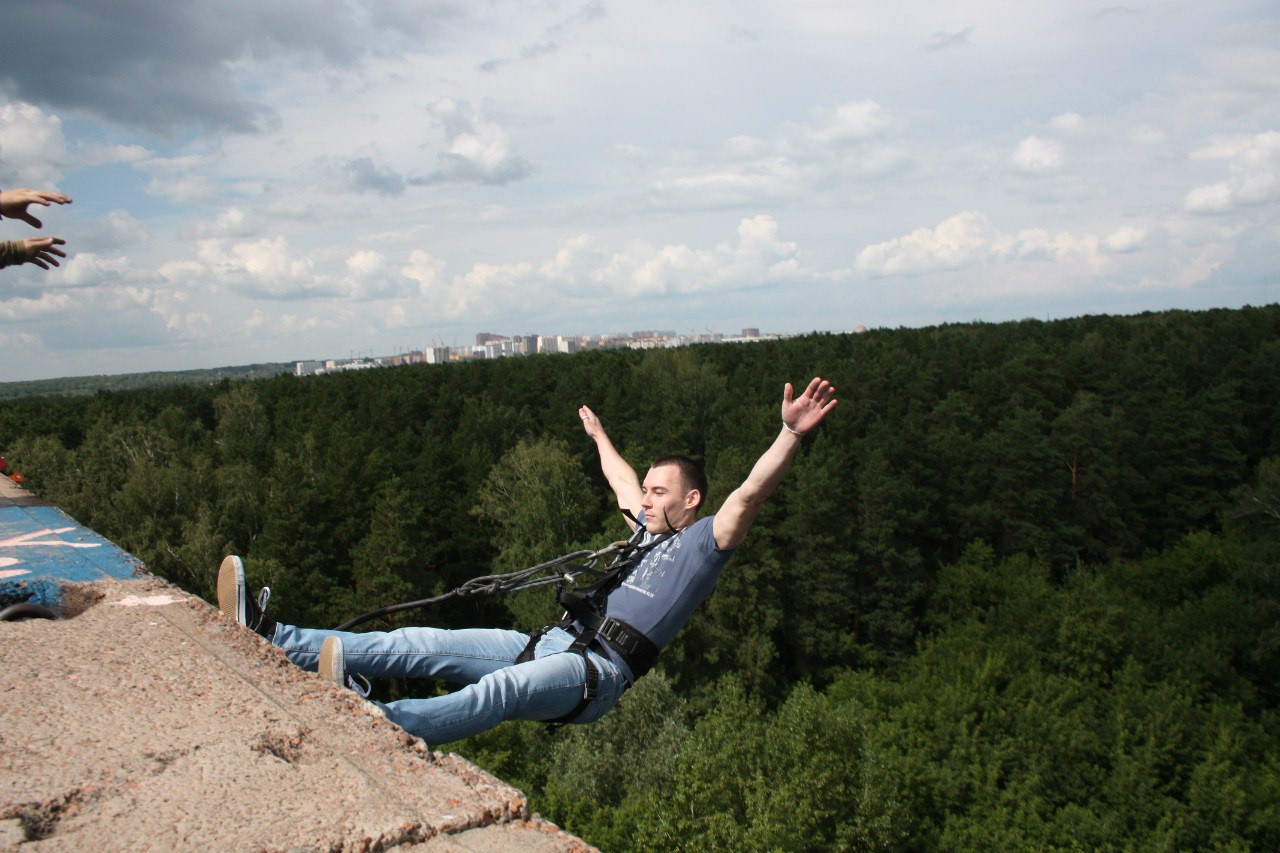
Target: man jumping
column 544, row 676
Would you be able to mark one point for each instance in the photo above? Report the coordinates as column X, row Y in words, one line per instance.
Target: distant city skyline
column 493, row 345
column 251, row 187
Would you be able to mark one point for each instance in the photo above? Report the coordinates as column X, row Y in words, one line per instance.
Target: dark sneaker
column 235, row 603
column 333, row 667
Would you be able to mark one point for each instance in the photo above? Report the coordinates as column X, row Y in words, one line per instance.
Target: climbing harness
column 584, row 608
column 601, row 571
column 584, row 619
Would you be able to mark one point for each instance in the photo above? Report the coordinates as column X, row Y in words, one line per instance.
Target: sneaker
column 333, row 667
column 235, row 603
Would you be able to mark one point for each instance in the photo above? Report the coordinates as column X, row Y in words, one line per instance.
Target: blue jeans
column 495, row 689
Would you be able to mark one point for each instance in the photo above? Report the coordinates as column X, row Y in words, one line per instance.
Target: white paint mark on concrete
column 148, row 601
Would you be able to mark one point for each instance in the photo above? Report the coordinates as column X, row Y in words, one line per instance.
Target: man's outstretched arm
column 799, row 415
column 621, row 476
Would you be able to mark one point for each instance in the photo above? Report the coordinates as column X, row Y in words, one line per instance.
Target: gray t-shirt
column 661, row 593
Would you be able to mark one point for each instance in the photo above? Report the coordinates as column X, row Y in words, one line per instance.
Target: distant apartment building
column 413, row 357
column 497, row 347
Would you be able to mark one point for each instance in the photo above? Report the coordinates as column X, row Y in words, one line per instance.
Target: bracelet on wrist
column 788, row 428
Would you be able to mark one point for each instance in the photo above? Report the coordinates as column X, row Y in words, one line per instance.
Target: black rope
column 26, row 610
column 565, row 570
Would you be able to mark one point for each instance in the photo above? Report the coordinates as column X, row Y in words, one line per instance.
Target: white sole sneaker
column 332, row 665
column 231, row 590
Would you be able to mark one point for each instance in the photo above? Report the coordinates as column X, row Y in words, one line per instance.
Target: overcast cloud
column 281, row 179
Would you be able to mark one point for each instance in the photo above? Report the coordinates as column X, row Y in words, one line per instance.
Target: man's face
column 667, row 501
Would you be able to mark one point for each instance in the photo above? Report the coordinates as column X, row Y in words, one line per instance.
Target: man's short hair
column 690, row 471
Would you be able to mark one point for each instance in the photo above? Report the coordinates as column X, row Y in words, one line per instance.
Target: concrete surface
column 42, row 550
column 144, row 721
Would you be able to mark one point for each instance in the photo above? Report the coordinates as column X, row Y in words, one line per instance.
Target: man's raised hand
column 803, row 413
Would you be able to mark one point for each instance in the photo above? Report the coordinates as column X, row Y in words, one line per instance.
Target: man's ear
column 693, row 499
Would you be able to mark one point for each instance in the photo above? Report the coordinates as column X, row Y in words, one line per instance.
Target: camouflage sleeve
column 12, row 252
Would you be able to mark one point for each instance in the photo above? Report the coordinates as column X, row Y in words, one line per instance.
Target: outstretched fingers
column 807, row 411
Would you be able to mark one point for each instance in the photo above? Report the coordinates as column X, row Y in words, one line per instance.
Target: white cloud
column 185, row 179
column 89, row 269
column 369, row 277
column 181, row 271
column 478, row 148
column 265, row 269
column 1067, row 121
column 192, row 324
column 1189, row 270
column 425, row 270
column 850, row 122
column 573, row 260
column 17, row 340
column 1127, row 238
column 581, row 268
column 112, row 232
column 436, row 295
column 365, row 263
column 230, row 222
column 292, row 324
column 758, row 257
column 837, row 146
column 268, row 261
column 105, row 154
column 969, row 239
column 22, row 309
column 1147, row 135
column 957, row 242
column 1254, row 174
column 33, row 150
column 1215, row 198
column 1036, row 156
column 1041, row 245
column 852, row 139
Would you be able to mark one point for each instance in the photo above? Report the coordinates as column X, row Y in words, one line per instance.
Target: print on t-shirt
column 645, row 577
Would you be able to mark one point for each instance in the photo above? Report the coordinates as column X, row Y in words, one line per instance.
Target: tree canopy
column 1020, row 591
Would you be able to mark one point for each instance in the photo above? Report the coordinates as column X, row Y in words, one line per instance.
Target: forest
column 1020, row 590
column 79, row 385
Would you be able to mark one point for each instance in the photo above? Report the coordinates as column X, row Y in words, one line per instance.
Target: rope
column 567, row 569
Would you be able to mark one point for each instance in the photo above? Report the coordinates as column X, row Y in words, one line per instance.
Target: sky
column 276, row 180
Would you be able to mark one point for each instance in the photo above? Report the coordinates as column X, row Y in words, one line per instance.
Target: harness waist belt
column 635, row 648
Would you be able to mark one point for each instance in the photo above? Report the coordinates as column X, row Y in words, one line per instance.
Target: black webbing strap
column 635, row 648
column 632, row 646
column 527, row 655
column 590, row 688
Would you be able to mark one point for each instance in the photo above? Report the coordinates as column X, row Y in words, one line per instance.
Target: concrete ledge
column 43, row 550
column 147, row 722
